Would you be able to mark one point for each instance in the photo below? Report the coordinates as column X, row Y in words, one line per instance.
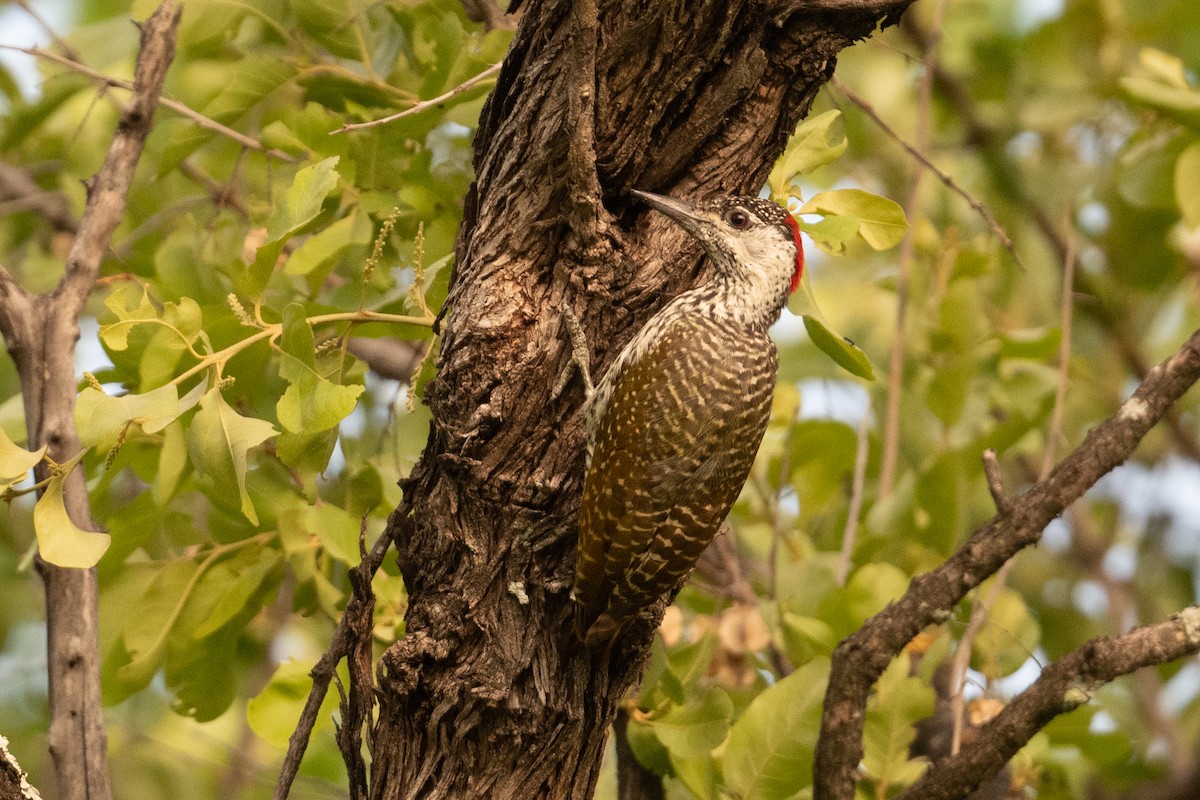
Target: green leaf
column 321, row 249
column 698, row 774
column 101, row 418
column 881, row 222
column 274, row 712
column 218, row 440
column 770, row 749
column 15, row 462
column 647, row 748
column 172, row 463
column 869, row 590
column 60, row 541
column 899, row 701
column 806, row 637
column 337, row 530
column 144, row 637
column 116, row 335
column 1146, row 170
column 1007, row 638
column 300, row 205
column 815, row 143
column 311, row 403
column 846, row 353
column 232, row 585
column 1187, row 184
column 832, row 232
column 1180, row 104
column 181, row 322
column 696, row 727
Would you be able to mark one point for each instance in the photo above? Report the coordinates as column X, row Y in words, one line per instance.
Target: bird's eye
column 739, row 219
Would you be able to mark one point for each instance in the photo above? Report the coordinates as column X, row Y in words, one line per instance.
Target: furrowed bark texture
column 489, row 694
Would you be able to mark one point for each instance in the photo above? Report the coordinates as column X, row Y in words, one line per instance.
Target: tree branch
column 208, row 123
column 22, row 193
column 14, row 784
column 861, row 658
column 108, row 189
column 1064, row 686
column 353, row 628
column 40, row 332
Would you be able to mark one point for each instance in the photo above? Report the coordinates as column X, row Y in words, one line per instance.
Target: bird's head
column 742, row 235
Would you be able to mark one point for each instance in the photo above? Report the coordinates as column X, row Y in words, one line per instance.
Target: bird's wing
column 671, row 457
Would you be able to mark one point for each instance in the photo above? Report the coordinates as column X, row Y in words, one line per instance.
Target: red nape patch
column 791, row 223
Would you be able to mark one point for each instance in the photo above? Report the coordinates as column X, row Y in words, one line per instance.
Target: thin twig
column 424, row 105
column 850, row 535
column 59, row 42
column 991, row 469
column 346, row 639
column 962, row 656
column 1064, row 354
column 945, row 177
column 24, row 194
column 204, row 122
column 895, row 383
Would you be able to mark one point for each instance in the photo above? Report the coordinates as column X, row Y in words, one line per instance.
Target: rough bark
column 489, row 694
column 40, row 332
column 14, row 784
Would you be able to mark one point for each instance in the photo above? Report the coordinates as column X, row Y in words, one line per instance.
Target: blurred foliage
column 237, row 451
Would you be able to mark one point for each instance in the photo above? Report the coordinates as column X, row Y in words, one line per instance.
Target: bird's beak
column 683, row 213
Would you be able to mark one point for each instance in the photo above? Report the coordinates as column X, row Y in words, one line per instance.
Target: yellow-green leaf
column 831, row 232
column 899, row 701
column 881, row 221
column 696, row 727
column 15, row 462
column 300, row 205
column 218, row 440
column 100, row 418
column 1180, row 104
column 817, row 142
column 768, row 755
column 1187, row 184
column 60, row 541
column 846, row 353
column 273, row 713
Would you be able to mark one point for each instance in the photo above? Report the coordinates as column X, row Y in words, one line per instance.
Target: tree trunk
column 489, row 694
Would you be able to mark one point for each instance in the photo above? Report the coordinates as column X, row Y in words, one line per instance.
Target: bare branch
column 22, row 193
column 850, row 536
column 424, row 105
column 179, row 108
column 862, row 656
column 347, row 639
column 14, row 784
column 40, row 332
column 991, row 468
column 1064, row 686
column 109, row 188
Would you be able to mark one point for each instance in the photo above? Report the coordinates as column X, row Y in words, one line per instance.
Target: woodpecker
column 675, row 423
